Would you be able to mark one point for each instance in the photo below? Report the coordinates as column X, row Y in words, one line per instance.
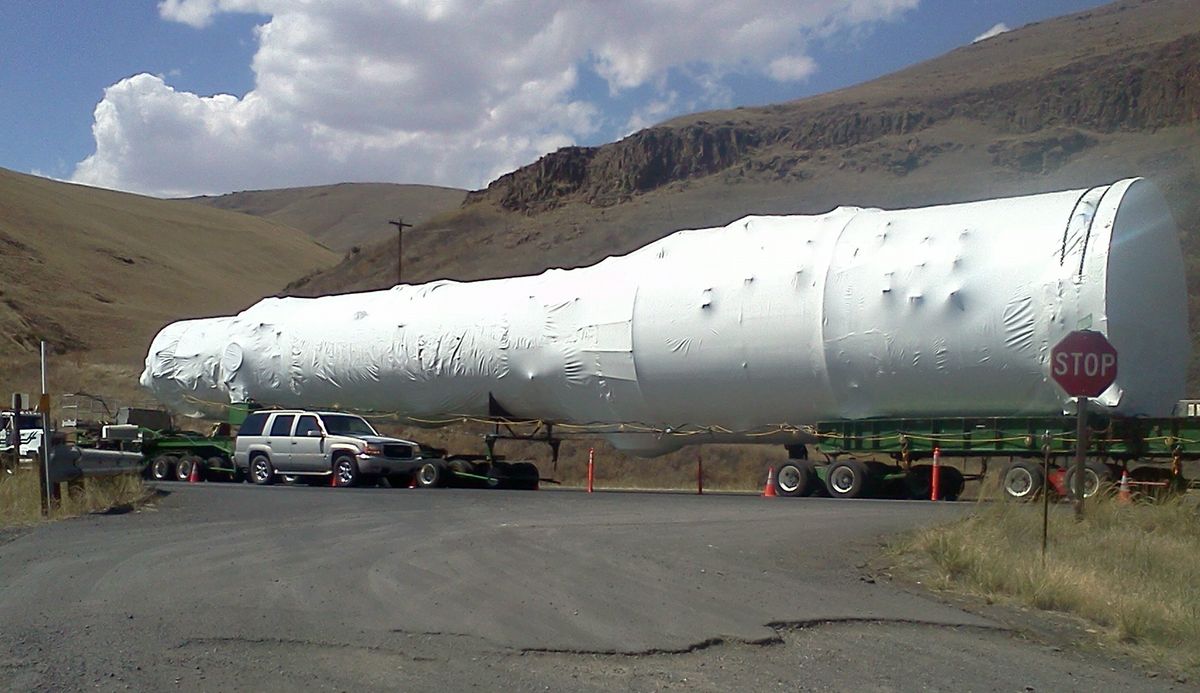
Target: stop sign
column 1084, row 363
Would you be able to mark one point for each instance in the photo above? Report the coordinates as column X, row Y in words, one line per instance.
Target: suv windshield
column 344, row 424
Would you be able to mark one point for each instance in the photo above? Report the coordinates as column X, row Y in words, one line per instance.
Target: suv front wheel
column 345, row 469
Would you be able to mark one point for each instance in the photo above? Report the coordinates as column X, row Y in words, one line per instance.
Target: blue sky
column 118, row 94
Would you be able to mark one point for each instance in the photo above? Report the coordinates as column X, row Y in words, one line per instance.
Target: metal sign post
column 1081, row 445
column 1084, row 364
column 1046, row 439
column 43, row 405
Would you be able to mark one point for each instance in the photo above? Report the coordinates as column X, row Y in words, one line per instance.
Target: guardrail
column 71, row 462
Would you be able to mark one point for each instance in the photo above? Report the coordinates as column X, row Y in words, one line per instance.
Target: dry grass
column 1129, row 569
column 20, row 504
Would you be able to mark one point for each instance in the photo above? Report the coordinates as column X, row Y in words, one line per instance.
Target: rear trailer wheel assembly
column 431, row 475
column 222, row 464
column 847, row 479
column 1096, row 476
column 795, row 479
column 1022, row 480
column 163, row 467
column 525, row 476
column 950, row 483
column 183, row 469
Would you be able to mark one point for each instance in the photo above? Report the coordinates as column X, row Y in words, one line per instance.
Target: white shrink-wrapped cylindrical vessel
column 938, row 311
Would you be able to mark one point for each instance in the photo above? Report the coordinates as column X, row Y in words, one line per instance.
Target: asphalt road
column 241, row 587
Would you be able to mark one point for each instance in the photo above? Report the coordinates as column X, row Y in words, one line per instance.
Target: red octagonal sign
column 1084, row 363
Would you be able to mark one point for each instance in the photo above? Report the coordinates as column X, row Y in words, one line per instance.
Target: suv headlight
column 373, row 449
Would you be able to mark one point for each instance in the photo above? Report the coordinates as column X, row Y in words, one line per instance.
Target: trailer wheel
column 430, row 475
column 461, row 473
column 162, row 467
column 346, row 470
column 919, row 481
column 261, row 470
column 216, row 462
column 950, row 483
column 1022, row 480
column 1096, row 476
column 795, row 479
column 847, row 479
column 526, row 476
column 183, row 470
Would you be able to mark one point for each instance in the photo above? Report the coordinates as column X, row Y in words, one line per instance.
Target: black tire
column 262, row 472
column 1022, row 481
column 183, row 470
column 431, row 475
column 526, row 476
column 1097, row 478
column 162, row 468
column 215, row 462
column 345, row 469
column 847, row 479
column 795, row 479
column 461, row 467
column 919, row 482
column 950, row 483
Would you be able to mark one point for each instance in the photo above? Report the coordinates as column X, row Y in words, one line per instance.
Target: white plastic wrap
column 948, row 310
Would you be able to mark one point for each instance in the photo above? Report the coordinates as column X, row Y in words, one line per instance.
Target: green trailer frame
column 911, row 439
column 866, row 456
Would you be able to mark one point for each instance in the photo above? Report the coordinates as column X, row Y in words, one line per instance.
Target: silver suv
column 317, row 444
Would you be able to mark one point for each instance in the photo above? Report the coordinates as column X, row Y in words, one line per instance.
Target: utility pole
column 400, row 226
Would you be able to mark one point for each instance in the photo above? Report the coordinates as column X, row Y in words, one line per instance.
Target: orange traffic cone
column 412, row 480
column 194, row 475
column 769, row 489
column 1123, row 494
column 333, row 480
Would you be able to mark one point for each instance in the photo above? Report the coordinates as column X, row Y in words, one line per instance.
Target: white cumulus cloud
column 996, row 30
column 451, row 92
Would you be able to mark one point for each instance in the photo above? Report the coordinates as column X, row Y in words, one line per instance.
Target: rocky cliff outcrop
column 1138, row 89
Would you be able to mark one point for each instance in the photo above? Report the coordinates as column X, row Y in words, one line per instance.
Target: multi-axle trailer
column 892, row 457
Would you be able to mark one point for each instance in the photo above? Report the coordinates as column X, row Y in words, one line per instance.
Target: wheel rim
column 842, row 479
column 160, row 470
column 788, row 478
column 261, row 472
column 1091, row 483
column 428, row 474
column 1018, row 482
column 345, row 473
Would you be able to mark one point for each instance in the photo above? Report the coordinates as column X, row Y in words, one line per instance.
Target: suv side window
column 253, row 425
column 282, row 425
column 307, row 423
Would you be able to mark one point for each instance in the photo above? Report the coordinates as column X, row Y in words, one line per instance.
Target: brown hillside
column 346, row 215
column 96, row 273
